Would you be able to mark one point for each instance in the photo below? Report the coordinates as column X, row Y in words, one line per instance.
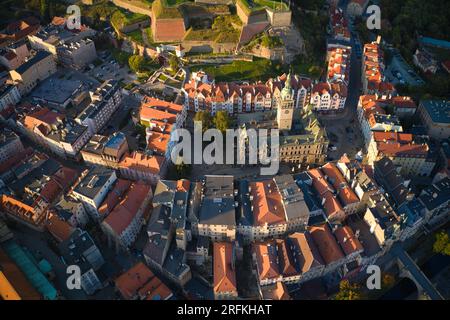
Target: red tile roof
column 124, row 213
column 266, row 260
column 267, row 204
column 347, row 240
column 326, row 243
column 60, row 229
column 224, row 273
column 141, row 162
column 139, row 282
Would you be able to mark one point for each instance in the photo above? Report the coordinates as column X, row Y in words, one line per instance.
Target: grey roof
column 6, row 137
column 40, row 55
column 293, row 199
column 160, row 233
column 5, row 89
column 70, row 133
column 33, row 180
column 179, row 209
column 66, row 206
column 218, row 211
column 91, row 184
column 439, row 110
column 95, row 144
column 164, row 192
column 81, row 250
column 218, row 205
column 436, row 194
column 386, row 174
column 56, row 90
column 195, row 195
column 244, row 204
column 411, row 212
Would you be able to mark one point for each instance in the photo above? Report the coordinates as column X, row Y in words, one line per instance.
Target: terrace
column 250, row 6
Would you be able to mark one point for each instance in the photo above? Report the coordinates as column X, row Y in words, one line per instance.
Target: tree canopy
column 348, row 291
column 205, row 118
column 136, row 63
column 222, row 121
column 442, row 243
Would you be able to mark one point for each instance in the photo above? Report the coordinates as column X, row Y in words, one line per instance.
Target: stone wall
column 135, row 26
column 279, row 18
column 208, row 47
column 131, row 6
column 214, row 1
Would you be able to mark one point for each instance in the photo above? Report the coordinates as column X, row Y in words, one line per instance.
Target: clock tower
column 285, row 106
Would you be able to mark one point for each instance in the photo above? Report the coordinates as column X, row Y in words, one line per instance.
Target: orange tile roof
column 326, row 243
column 158, row 142
column 124, row 213
column 267, row 264
column 140, row 282
column 309, row 256
column 345, row 193
column 21, row 210
column 114, row 197
column 60, row 229
column 286, row 261
column 398, row 144
column 347, row 240
column 267, row 204
column 43, row 116
column 153, row 103
column 142, row 162
column 224, row 273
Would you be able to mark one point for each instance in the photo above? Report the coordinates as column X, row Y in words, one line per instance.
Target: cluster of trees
column 220, row 121
column 406, row 19
column 348, row 291
column 442, row 243
column 139, row 64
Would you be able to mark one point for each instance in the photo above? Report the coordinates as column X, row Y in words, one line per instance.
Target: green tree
column 222, row 121
column 43, row 10
column 348, row 291
column 136, row 63
column 442, row 243
column 173, row 62
column 387, row 281
column 205, row 118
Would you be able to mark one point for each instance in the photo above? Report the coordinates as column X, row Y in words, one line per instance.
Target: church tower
column 285, row 106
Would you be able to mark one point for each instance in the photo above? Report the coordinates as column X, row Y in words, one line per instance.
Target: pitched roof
column 308, row 255
column 124, row 213
column 266, row 259
column 326, row 243
column 347, row 240
column 267, row 205
column 140, row 282
column 224, row 274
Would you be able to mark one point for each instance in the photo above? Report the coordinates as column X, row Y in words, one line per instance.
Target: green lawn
column 163, row 10
column 259, row 69
column 121, row 18
column 265, row 40
column 254, row 5
column 136, row 36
